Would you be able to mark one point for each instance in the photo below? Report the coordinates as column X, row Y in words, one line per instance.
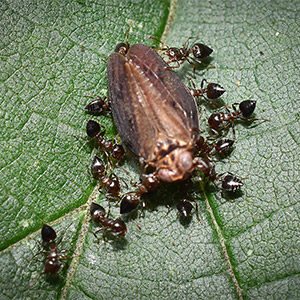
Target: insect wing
column 149, row 102
column 121, row 101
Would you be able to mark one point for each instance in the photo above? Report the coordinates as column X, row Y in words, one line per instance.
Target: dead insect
column 155, row 114
column 116, row 227
column 180, row 55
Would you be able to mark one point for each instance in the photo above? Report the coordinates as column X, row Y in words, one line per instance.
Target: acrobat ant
column 116, row 227
column 111, row 184
column 98, row 105
column 93, row 130
column 130, row 201
column 180, row 55
column 53, row 258
column 212, row 90
column 223, row 147
column 230, row 182
column 184, row 208
column 219, row 121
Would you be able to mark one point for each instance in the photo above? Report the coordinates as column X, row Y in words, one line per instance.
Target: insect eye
column 122, row 48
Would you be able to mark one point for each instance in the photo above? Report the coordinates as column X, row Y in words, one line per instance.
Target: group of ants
column 218, row 122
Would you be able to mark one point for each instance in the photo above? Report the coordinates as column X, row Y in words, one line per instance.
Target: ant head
column 122, row 48
column 247, row 107
column 48, row 233
column 92, row 128
column 201, row 51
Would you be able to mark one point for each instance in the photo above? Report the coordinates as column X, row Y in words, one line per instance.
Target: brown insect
column 155, row 114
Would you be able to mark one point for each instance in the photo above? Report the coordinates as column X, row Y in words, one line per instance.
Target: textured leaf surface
column 51, row 56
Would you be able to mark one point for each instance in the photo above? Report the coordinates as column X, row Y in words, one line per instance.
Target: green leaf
column 51, row 57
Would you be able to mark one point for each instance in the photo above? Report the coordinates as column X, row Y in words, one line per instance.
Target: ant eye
column 247, row 107
column 201, row 50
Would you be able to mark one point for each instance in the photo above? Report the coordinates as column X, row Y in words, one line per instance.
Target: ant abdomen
column 201, row 51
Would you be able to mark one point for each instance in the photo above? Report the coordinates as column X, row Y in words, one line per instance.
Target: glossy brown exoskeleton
column 95, row 130
column 53, row 261
column 110, row 183
column 219, row 121
column 116, row 227
column 180, row 55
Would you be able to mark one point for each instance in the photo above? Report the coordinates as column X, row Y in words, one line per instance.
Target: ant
column 184, row 208
column 130, row 201
column 212, row 90
column 97, row 106
column 111, row 184
column 221, row 148
column 93, row 130
column 53, row 258
column 180, row 55
column 116, row 227
column 219, row 121
column 230, row 182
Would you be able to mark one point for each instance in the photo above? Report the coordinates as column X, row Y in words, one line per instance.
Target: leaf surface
column 51, row 57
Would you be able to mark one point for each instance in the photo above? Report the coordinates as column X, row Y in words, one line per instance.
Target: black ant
column 184, row 208
column 116, row 227
column 180, row 55
column 53, row 258
column 230, row 182
column 93, row 130
column 98, row 105
column 130, row 201
column 111, row 184
column 221, row 148
column 212, row 90
column 219, row 121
